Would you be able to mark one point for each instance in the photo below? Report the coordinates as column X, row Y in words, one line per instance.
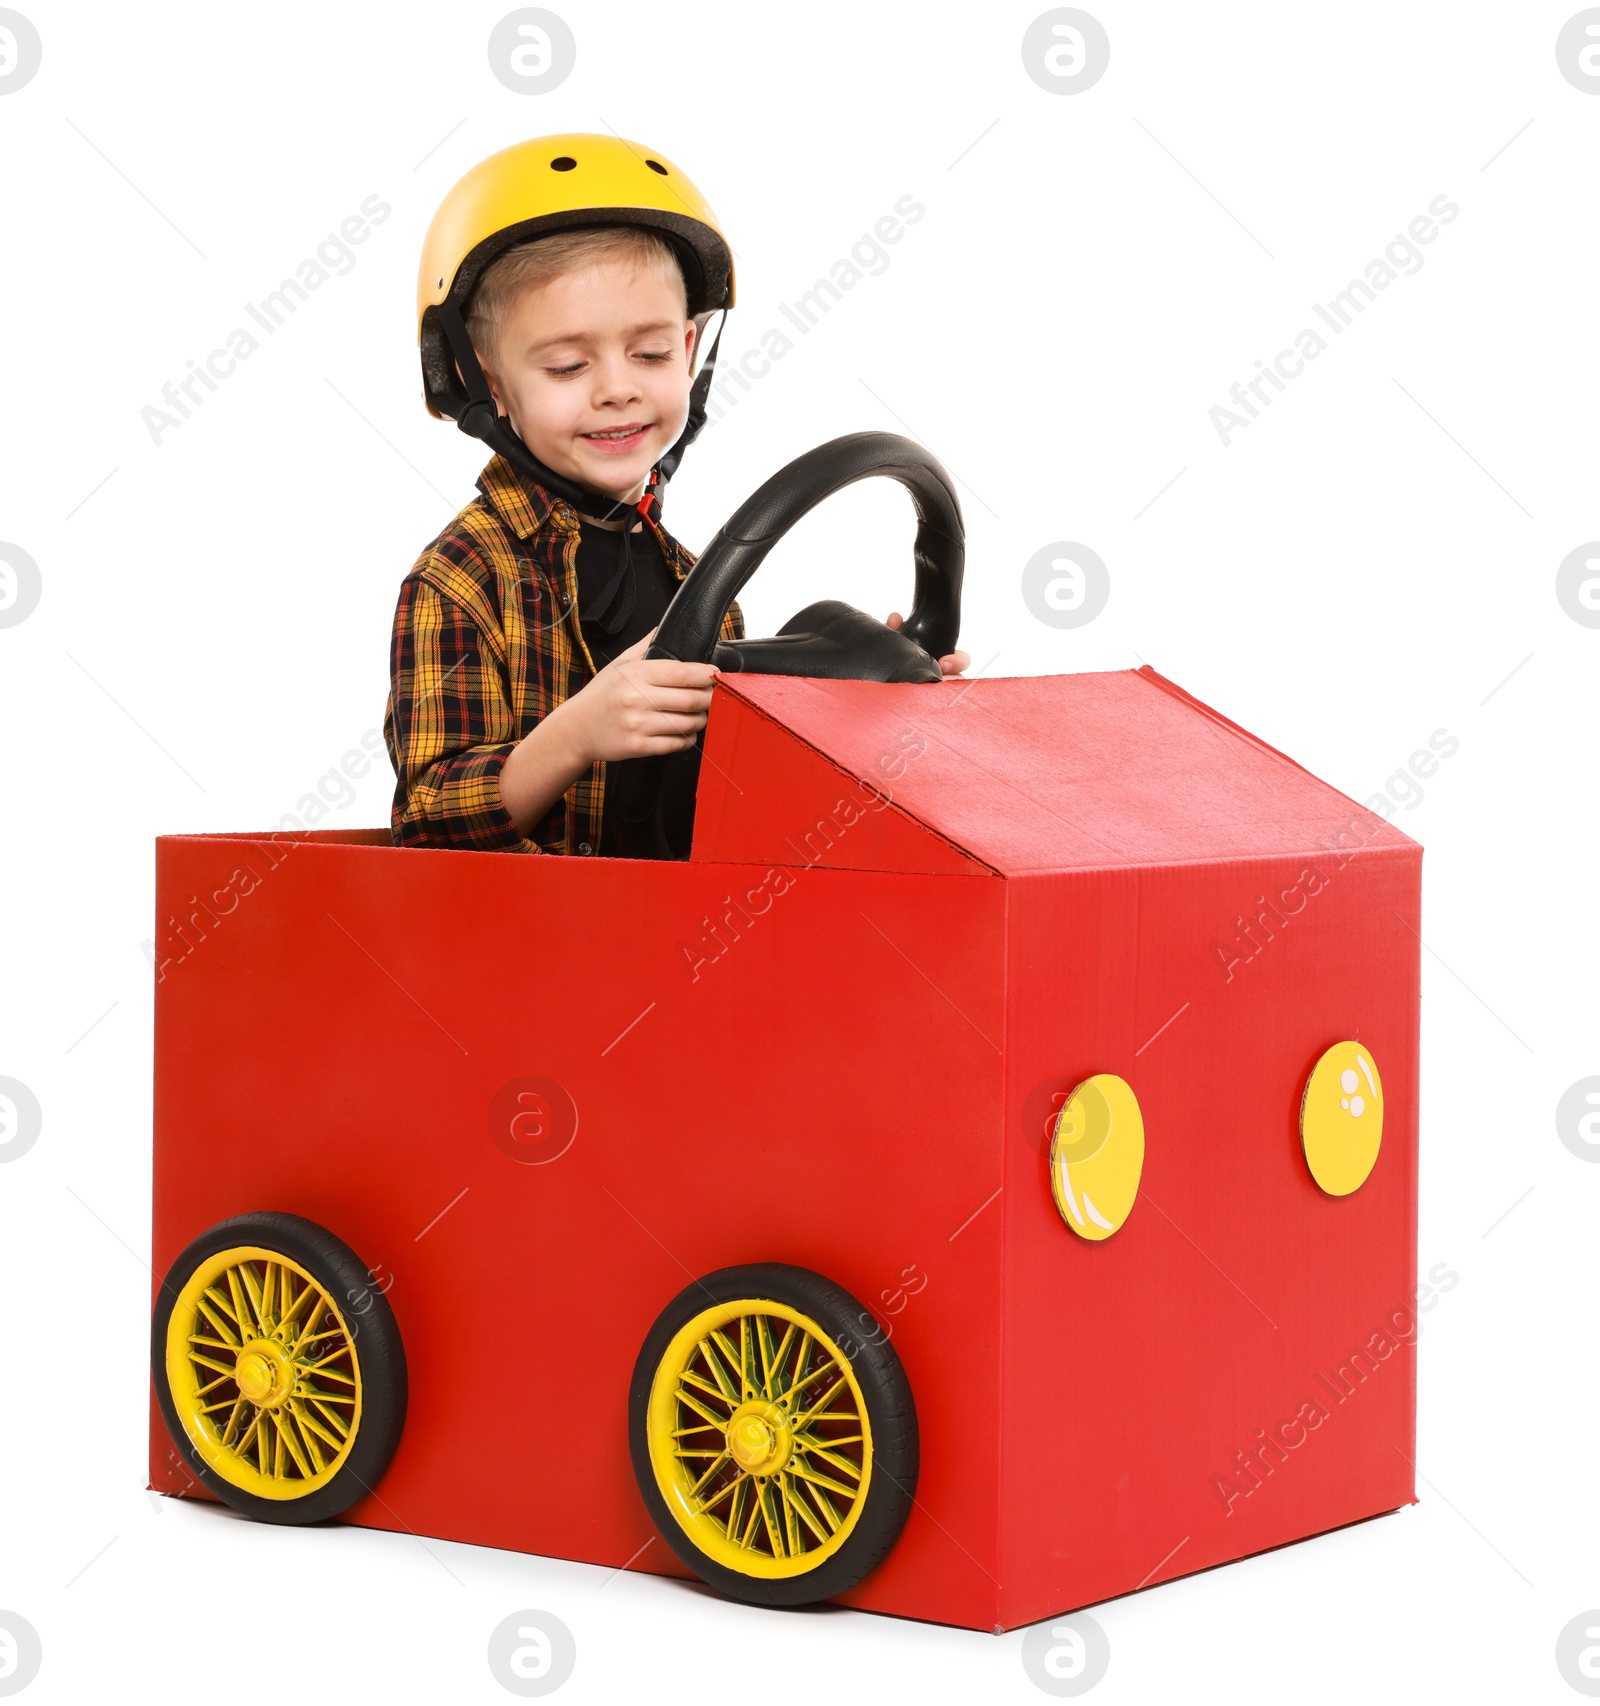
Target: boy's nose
column 615, row 381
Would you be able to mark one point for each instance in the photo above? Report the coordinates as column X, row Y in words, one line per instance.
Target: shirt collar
column 525, row 506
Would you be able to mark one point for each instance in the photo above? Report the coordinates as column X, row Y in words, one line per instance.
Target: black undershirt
column 603, row 599
column 599, row 555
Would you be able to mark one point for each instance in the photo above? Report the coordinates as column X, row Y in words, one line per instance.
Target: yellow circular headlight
column 1097, row 1156
column 1341, row 1118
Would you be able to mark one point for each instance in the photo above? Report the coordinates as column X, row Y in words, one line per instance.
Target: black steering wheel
column 652, row 799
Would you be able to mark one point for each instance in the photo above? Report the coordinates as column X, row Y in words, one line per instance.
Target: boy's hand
column 635, row 708
column 952, row 663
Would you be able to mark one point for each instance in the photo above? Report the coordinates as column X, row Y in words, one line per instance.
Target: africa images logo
column 335, row 256
column 1269, row 1451
column 1402, row 257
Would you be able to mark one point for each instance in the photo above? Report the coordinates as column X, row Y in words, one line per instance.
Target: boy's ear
column 692, row 346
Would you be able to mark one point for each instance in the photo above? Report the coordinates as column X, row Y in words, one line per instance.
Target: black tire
column 375, row 1345
column 860, row 1342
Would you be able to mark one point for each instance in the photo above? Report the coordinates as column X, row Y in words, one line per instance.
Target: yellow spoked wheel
column 774, row 1434
column 279, row 1368
column 760, row 1433
column 264, row 1373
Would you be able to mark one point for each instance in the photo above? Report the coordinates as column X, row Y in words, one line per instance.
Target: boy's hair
column 530, row 265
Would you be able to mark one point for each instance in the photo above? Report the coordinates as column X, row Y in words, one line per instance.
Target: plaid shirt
column 486, row 642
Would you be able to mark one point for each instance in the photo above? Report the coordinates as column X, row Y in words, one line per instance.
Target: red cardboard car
column 980, row 1179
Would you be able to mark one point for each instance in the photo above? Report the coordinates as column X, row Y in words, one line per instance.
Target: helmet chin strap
column 480, row 418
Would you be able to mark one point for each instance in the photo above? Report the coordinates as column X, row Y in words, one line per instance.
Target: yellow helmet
column 552, row 183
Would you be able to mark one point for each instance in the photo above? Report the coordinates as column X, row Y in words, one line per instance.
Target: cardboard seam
column 1156, row 679
column 1001, row 1562
column 1409, row 849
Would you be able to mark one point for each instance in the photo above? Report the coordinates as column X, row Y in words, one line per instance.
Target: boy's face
column 593, row 370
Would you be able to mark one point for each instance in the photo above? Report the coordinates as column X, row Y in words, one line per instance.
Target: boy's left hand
column 952, row 663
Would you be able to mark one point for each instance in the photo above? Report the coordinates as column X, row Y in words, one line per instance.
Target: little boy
column 564, row 284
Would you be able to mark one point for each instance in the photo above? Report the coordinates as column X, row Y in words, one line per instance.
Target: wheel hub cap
column 264, row 1374
column 759, row 1438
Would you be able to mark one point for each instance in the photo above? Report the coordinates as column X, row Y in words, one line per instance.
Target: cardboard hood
column 1026, row 774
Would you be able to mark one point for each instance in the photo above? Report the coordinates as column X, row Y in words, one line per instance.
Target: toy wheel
column 279, row 1368
column 776, row 1451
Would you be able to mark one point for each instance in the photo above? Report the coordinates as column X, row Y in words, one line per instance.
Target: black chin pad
column 833, row 639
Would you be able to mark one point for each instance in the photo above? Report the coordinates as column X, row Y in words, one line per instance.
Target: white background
column 1373, row 560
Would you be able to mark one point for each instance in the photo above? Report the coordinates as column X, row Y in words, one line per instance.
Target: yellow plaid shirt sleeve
column 485, row 643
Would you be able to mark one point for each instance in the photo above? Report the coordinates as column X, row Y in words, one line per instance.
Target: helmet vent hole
column 562, row 163
column 656, row 166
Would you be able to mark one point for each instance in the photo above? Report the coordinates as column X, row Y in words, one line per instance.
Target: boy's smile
column 592, row 369
column 618, row 440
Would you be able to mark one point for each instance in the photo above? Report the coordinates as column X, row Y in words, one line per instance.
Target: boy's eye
column 564, row 372
column 655, row 355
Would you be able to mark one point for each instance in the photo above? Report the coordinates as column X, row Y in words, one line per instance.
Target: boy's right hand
column 635, row 708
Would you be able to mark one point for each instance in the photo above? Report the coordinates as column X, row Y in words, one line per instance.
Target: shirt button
column 584, row 847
